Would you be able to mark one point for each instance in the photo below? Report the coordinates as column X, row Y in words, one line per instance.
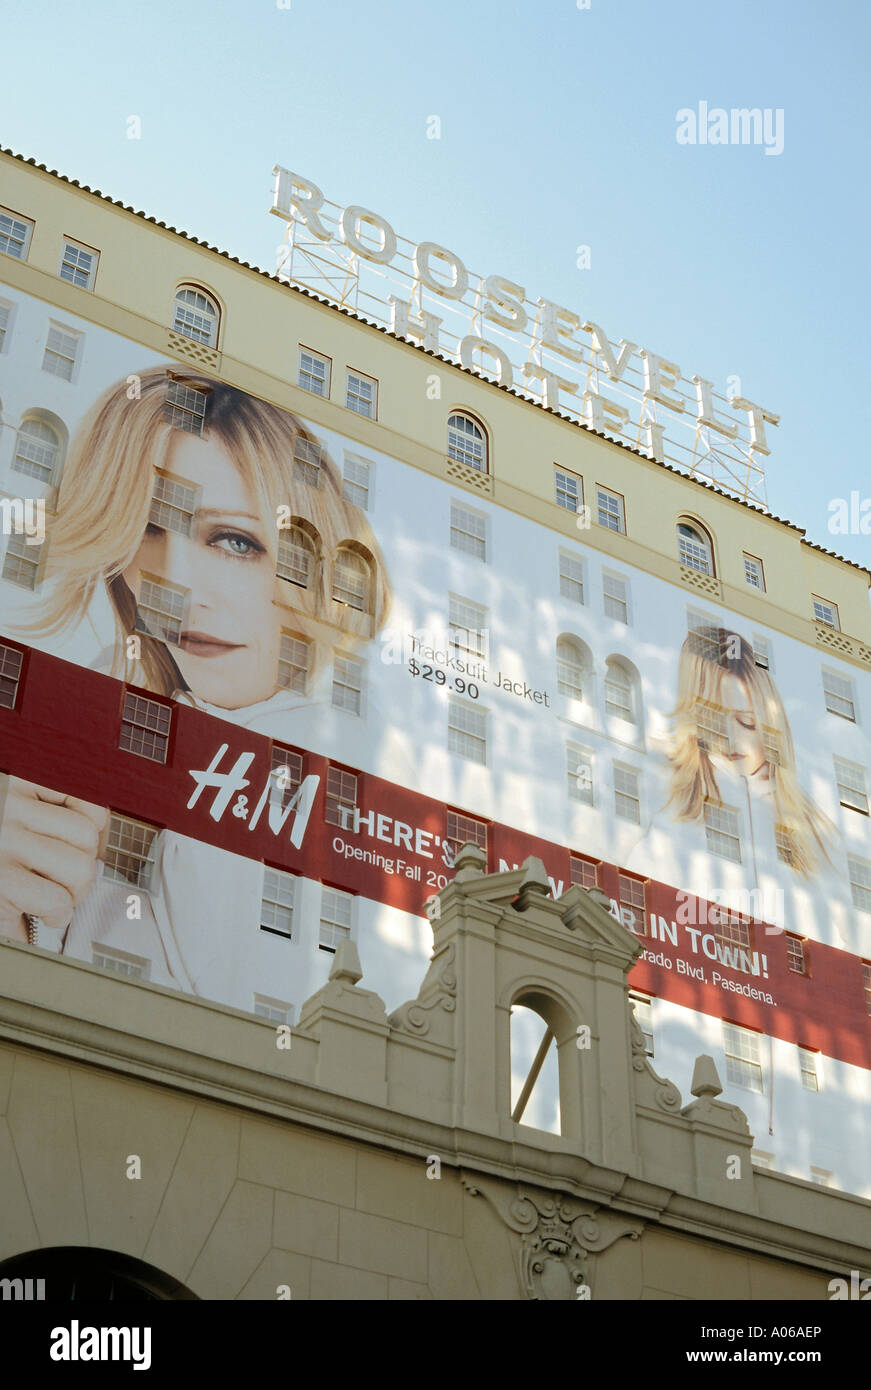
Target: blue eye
column 237, row 544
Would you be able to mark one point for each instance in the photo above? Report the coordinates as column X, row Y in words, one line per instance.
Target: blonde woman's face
column 228, row 651
column 747, row 750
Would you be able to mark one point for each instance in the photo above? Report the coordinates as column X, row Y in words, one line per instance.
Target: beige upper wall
column 141, row 265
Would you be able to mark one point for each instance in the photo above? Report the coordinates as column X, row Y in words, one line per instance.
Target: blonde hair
column 708, row 656
column 105, row 501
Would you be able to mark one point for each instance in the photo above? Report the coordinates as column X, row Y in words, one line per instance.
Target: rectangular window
column 36, row 451
column 569, row 490
column 336, row 909
column 285, row 774
column 795, row 957
column 840, row 696
column 571, row 577
column 130, row 852
column 5, row 314
column 584, row 872
column 307, row 457
column 314, row 372
column 21, row 563
column 276, row 904
column 185, row 407
column 711, row 728
column 61, row 347
column 161, row 610
column 627, row 796
column 860, row 883
column 734, row 933
column 145, row 727
column 348, row 684
column 120, row 962
column 10, row 675
column 642, row 1005
column 762, row 653
column 618, row 694
column 632, row 902
column 463, row 830
column 580, row 774
column 705, row 630
column 15, row 234
column 743, row 1062
column 293, row 663
column 866, row 980
column 723, row 831
column 610, row 510
column 852, row 790
column 275, row 1010
column 807, row 1062
column 341, row 797
column 616, row 594
column 785, row 845
column 753, row 572
column 355, row 481
column 172, row 505
column 468, row 531
column 468, row 627
column 826, row 612
column 78, row 265
column 362, row 394
column 467, row 732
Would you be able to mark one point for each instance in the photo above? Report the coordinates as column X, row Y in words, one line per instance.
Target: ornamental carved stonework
column 438, row 992
column 559, row 1237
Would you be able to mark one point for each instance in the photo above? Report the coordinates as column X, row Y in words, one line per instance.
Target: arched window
column 544, row 1063
column 196, row 315
column 37, row 450
column 352, row 579
column 573, row 668
column 620, row 698
column 467, row 442
column 694, row 548
column 296, row 557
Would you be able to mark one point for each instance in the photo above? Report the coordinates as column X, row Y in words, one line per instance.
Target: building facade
column 291, row 607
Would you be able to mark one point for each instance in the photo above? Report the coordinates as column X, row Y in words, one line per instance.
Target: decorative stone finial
column 706, row 1081
column 535, row 878
column 346, row 963
column 471, row 862
column 599, row 897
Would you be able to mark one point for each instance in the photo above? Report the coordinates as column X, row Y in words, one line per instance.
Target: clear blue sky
column 558, row 128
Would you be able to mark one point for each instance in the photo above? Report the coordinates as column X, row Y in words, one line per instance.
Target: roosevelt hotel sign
column 544, row 351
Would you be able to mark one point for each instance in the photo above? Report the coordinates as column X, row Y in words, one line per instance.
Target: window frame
column 626, row 899
column 176, row 589
column 857, row 886
column 480, row 650
column 74, row 245
column 859, row 788
column 577, row 478
column 341, row 893
column 146, row 859
column 136, row 706
column 761, row 587
column 369, row 380
column 581, row 790
column 614, row 577
column 716, row 811
column 453, row 840
column 69, row 335
column 469, row 513
column 325, row 362
column 455, row 707
column 793, row 940
column 339, row 799
column 627, row 769
column 829, row 674
column 567, row 559
column 358, row 461
column 178, row 412
column 193, row 287
column 736, row 1056
column 29, row 228
column 277, row 904
column 285, row 636
column 7, row 648
column 360, row 690
column 828, row 604
column 621, row 528
column 691, row 523
column 25, row 560
column 465, row 455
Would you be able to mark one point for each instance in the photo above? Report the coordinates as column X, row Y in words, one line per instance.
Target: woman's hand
column 48, row 855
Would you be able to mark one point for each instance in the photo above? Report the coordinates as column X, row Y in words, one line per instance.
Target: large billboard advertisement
column 252, row 667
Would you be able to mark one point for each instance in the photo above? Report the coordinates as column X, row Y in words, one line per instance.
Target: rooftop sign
column 550, row 353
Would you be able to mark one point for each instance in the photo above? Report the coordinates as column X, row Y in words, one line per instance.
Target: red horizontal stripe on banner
column 64, row 732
